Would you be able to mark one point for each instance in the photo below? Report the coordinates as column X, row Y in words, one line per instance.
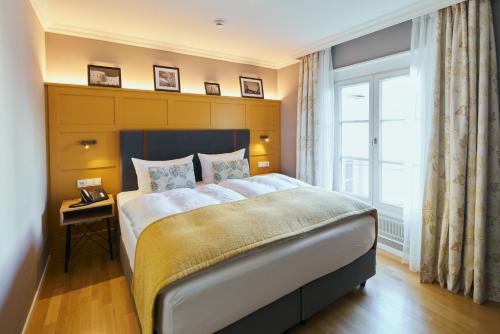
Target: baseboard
column 35, row 298
column 390, row 250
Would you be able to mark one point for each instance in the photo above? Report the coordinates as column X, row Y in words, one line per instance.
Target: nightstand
column 83, row 220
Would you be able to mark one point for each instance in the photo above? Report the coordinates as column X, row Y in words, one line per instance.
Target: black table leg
column 110, row 241
column 68, row 248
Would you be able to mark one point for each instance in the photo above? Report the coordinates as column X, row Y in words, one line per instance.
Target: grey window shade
column 381, row 43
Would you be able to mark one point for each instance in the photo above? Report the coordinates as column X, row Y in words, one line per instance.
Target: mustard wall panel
column 85, row 110
column 77, row 113
column 228, row 116
column 142, row 112
column 262, row 116
column 103, row 155
column 261, row 147
column 273, row 163
column 190, row 114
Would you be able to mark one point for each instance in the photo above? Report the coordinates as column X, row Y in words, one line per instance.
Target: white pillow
column 206, row 160
column 142, row 170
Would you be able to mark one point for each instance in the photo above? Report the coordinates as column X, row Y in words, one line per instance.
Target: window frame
column 372, row 72
column 338, row 134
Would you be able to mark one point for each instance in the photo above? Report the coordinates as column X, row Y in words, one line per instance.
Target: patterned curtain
column 315, row 120
column 308, row 82
column 461, row 214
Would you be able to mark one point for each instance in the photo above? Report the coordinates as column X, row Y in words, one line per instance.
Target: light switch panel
column 262, row 164
column 82, row 183
column 96, row 181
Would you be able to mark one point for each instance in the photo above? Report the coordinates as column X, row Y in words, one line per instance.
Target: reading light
column 264, row 138
column 87, row 143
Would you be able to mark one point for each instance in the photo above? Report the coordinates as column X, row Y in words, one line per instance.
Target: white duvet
column 148, row 208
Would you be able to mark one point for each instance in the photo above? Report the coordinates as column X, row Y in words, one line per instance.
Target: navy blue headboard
column 174, row 144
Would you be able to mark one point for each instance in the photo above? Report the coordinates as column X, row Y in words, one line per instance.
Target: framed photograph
column 212, row 88
column 167, row 78
column 104, row 76
column 251, row 87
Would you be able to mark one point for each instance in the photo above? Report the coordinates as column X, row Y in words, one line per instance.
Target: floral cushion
column 234, row 169
column 171, row 177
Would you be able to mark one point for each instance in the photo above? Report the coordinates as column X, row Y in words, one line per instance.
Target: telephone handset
column 90, row 196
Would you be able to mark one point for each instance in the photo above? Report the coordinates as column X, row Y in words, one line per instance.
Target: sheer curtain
column 422, row 72
column 315, row 120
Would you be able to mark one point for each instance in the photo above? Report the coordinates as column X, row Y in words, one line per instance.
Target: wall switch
column 88, row 182
column 96, row 181
column 262, row 164
column 81, row 183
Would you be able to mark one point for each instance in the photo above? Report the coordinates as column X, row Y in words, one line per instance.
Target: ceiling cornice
column 153, row 44
column 420, row 8
column 385, row 21
column 40, row 8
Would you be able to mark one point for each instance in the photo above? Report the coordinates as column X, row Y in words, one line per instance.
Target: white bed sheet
column 217, row 297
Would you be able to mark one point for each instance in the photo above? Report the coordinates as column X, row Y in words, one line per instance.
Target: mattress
column 223, row 294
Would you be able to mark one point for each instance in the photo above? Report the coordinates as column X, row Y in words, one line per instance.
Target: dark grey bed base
column 298, row 305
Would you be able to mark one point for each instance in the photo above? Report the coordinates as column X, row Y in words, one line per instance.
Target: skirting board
column 35, row 297
column 390, row 250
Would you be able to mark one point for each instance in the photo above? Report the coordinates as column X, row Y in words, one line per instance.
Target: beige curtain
column 461, row 215
column 315, row 120
column 306, row 105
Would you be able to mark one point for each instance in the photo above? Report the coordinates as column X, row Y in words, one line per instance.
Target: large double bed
column 267, row 289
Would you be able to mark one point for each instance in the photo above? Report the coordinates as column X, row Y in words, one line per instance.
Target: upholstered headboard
column 174, row 144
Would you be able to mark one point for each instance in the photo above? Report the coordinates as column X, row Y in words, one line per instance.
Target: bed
column 266, row 290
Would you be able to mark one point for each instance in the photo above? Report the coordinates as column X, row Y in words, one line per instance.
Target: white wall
column 23, row 167
column 288, row 84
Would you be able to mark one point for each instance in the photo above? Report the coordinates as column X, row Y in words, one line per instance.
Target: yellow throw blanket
column 179, row 245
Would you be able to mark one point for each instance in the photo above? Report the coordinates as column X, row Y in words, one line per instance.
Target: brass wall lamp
column 87, row 143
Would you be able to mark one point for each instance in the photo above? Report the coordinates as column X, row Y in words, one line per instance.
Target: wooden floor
column 93, row 298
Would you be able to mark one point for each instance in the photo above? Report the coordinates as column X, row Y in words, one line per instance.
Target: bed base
column 299, row 305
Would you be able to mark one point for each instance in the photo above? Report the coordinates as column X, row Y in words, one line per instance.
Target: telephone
column 90, row 196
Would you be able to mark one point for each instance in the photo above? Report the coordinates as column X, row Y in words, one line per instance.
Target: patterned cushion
column 172, row 177
column 234, row 169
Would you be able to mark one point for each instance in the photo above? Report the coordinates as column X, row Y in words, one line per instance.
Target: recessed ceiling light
column 219, row 23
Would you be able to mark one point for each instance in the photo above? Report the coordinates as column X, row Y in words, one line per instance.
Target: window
column 372, row 107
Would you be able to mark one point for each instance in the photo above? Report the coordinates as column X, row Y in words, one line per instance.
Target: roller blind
column 381, row 43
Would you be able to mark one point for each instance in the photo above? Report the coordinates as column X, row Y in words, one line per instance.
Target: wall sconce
column 87, row 143
column 264, row 138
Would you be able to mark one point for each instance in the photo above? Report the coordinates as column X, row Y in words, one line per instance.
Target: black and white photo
column 167, row 78
column 212, row 88
column 104, row 76
column 251, row 87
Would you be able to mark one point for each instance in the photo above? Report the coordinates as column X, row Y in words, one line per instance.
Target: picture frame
column 166, row 78
column 212, row 88
column 104, row 76
column 251, row 87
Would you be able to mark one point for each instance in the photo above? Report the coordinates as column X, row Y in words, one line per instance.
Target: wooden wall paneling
column 261, row 147
column 77, row 113
column 192, row 113
column 264, row 119
column 228, row 115
column 258, row 116
column 71, row 155
column 75, row 108
column 140, row 110
column 254, row 161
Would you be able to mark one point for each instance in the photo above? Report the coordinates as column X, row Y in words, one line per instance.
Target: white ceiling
column 270, row 33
